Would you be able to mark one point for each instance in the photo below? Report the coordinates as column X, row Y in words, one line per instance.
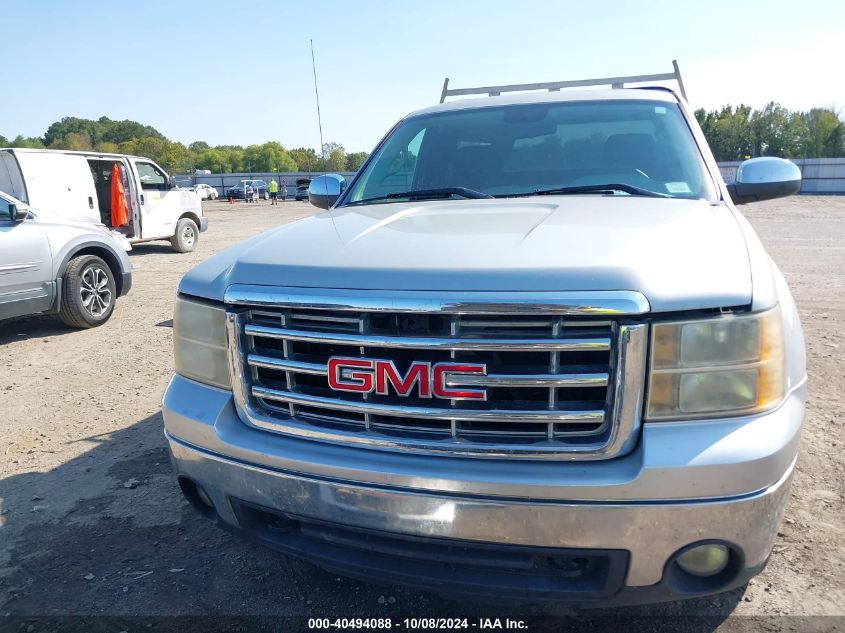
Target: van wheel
column 186, row 236
column 88, row 292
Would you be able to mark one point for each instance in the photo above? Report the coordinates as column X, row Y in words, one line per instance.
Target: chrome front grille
column 557, row 385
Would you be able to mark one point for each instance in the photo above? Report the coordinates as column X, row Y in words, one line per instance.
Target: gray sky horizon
column 229, row 73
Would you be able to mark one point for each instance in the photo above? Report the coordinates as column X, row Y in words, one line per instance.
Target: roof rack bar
column 553, row 86
column 678, row 77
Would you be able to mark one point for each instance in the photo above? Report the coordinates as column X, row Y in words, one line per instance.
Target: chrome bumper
column 685, row 482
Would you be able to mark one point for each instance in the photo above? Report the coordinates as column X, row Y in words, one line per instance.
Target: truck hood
column 681, row 254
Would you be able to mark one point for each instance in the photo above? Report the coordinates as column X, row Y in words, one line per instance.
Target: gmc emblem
column 366, row 375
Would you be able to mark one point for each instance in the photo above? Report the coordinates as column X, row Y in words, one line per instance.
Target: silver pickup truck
column 531, row 350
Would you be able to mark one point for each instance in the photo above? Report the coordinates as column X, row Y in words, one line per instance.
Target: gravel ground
column 92, row 522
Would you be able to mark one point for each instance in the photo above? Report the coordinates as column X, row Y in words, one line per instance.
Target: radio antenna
column 317, row 94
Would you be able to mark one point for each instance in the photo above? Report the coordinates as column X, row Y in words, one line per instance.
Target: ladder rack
column 552, row 86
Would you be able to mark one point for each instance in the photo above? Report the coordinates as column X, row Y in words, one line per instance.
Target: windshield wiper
column 421, row 194
column 609, row 188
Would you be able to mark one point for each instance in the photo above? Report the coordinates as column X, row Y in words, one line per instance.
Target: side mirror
column 324, row 191
column 18, row 215
column 764, row 178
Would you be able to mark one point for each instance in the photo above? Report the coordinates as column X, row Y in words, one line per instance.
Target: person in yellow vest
column 273, row 188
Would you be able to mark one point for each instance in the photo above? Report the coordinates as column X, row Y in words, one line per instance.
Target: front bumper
column 126, row 282
column 685, row 483
column 203, row 224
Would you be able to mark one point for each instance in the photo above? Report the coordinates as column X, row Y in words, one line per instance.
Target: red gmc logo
column 366, row 375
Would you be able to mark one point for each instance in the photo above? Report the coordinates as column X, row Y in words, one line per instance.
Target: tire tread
column 69, row 311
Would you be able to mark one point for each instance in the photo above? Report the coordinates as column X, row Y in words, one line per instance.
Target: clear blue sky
column 240, row 72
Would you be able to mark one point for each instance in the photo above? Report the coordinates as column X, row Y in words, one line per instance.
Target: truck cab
column 533, row 350
column 80, row 185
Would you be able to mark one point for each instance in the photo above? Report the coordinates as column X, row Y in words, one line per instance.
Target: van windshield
column 526, row 149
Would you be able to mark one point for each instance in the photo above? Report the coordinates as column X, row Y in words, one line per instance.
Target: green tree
column 331, row 146
column 106, row 147
column 75, row 141
column 27, row 141
column 355, row 160
column 306, row 159
column 270, row 156
column 235, row 158
column 57, row 132
column 174, row 157
column 336, row 160
column 4, row 142
column 825, row 134
column 776, row 131
column 213, row 159
column 121, row 131
column 103, row 130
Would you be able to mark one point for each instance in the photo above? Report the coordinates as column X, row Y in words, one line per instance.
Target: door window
column 151, row 177
column 5, row 211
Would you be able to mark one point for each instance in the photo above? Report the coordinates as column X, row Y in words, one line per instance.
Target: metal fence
column 221, row 182
column 818, row 175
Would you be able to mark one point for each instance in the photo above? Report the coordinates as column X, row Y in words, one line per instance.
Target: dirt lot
column 92, row 522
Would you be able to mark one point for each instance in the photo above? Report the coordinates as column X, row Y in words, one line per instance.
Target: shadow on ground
column 152, row 248
column 38, row 326
column 108, row 536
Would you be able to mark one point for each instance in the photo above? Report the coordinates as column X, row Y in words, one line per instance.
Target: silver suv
column 532, row 350
column 53, row 265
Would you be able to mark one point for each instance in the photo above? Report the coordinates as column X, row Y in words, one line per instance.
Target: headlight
column 731, row 365
column 199, row 341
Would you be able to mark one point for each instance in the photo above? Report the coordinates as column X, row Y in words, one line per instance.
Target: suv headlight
column 730, row 365
column 199, row 342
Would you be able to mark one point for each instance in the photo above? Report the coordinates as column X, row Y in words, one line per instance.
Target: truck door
column 160, row 204
column 26, row 266
column 133, row 197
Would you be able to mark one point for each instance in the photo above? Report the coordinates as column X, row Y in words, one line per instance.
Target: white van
column 78, row 184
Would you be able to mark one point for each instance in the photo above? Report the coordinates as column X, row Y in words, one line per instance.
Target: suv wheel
column 186, row 236
column 88, row 292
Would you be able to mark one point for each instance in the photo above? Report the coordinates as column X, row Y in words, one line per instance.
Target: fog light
column 704, row 560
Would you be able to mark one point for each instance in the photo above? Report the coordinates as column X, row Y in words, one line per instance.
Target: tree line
column 737, row 133
column 733, row 132
column 131, row 137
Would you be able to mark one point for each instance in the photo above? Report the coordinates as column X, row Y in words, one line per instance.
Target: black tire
column 185, row 238
column 88, row 292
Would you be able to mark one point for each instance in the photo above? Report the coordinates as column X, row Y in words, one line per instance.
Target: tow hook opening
column 570, row 566
column 197, row 496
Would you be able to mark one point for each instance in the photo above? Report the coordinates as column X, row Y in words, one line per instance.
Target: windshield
column 518, row 150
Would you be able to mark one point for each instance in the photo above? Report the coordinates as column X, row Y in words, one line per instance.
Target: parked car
column 238, row 190
column 205, row 192
column 302, row 188
column 533, row 349
column 53, row 265
column 79, row 184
